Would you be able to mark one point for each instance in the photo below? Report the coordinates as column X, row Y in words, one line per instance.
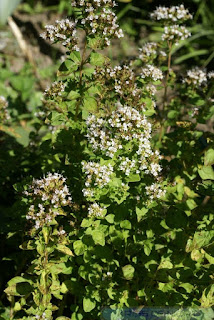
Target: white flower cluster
column 151, row 72
column 48, row 195
column 155, row 191
column 127, row 166
column 96, row 176
column 42, row 317
column 196, row 77
column 173, row 13
column 4, row 115
column 55, row 89
column 210, row 75
column 61, row 232
column 95, row 210
column 149, row 50
column 151, row 89
column 97, row 17
column 125, row 125
column 175, row 33
column 63, row 31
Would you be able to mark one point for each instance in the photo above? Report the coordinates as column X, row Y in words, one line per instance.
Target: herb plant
column 115, row 222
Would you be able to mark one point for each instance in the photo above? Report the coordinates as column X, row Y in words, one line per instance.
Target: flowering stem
column 167, row 75
column 81, row 72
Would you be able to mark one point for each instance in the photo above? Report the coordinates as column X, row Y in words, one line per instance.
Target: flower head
column 171, row 14
column 47, row 195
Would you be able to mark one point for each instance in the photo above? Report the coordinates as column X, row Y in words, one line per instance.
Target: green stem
column 81, row 74
column 167, row 75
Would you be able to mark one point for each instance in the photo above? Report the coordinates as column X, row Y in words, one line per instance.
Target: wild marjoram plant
column 107, row 241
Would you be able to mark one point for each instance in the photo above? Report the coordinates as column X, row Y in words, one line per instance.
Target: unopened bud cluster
column 47, row 195
column 4, row 115
column 120, row 79
column 97, row 17
column 56, row 89
column 63, row 31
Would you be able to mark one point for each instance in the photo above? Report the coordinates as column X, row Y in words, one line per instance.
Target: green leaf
column 209, row 157
column 206, row 173
column 125, row 224
column 64, row 249
column 88, row 304
column 128, row 272
column 85, row 223
column 73, row 95
column 110, row 218
column 147, row 247
column 133, row 178
column 98, row 237
column 19, row 289
column 141, row 213
column 97, row 59
column 76, row 57
column 60, row 268
column 209, row 258
column 172, row 114
column 79, row 247
column 18, row 279
column 207, row 299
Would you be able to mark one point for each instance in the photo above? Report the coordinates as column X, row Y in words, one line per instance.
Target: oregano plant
column 106, row 216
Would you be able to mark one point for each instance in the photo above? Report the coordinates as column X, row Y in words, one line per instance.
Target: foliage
column 133, row 223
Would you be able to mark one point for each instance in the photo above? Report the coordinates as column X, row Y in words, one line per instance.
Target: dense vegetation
column 107, row 174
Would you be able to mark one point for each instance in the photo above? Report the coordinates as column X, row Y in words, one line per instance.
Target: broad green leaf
column 209, row 157
column 98, row 237
column 209, row 258
column 60, row 268
column 88, row 304
column 18, row 279
column 206, row 173
column 97, row 59
column 207, row 299
column 76, row 57
column 141, row 213
column 128, row 272
column 133, row 178
column 172, row 114
column 110, row 218
column 79, row 247
column 19, row 289
column 85, row 223
column 202, row 239
column 147, row 247
column 125, row 224
column 64, row 249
